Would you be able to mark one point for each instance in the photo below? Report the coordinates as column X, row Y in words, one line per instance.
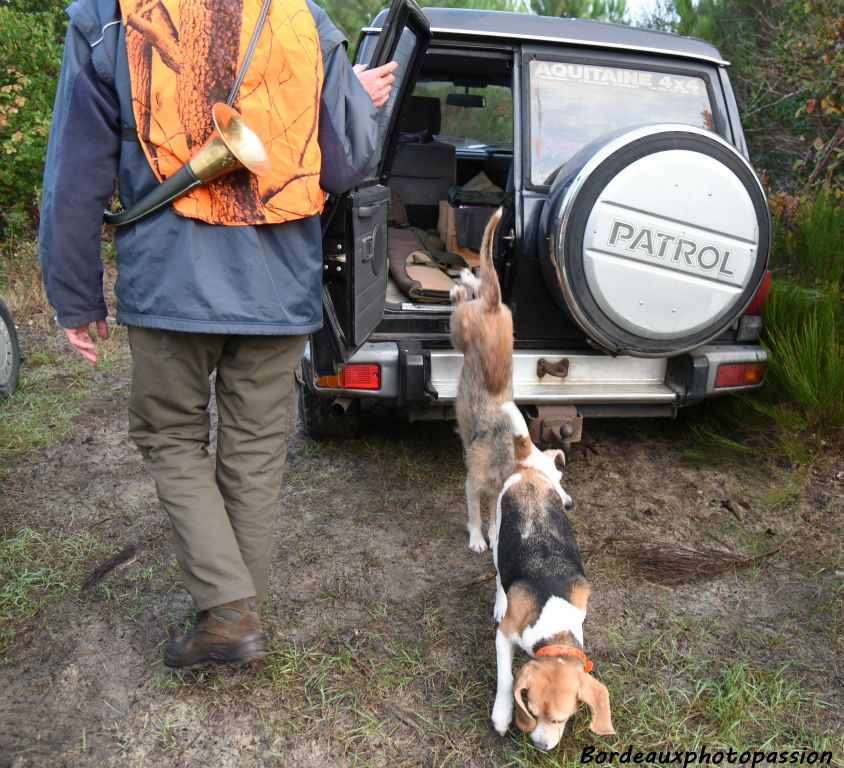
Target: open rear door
column 355, row 224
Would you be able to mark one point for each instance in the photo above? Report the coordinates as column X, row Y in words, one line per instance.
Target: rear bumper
column 411, row 375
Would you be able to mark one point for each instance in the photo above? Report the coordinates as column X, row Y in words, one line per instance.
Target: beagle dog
column 540, row 601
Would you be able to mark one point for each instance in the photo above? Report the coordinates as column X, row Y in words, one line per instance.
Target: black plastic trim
column 414, row 384
column 687, row 376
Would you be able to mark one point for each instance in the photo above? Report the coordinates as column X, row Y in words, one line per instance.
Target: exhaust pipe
column 340, row 406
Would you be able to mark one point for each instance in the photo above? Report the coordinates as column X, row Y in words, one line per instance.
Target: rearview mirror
column 465, row 100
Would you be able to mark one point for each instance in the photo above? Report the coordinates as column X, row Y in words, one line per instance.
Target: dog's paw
column 457, row 294
column 502, row 715
column 470, row 280
column 477, row 543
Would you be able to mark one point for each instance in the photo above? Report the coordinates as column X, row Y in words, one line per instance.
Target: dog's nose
column 543, row 746
column 569, row 504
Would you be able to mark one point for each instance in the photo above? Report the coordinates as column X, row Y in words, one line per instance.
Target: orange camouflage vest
column 184, row 56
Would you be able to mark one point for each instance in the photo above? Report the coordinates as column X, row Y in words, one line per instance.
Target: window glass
column 488, row 122
column 404, row 53
column 572, row 104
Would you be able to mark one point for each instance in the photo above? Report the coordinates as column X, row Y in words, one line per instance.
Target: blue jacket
column 176, row 273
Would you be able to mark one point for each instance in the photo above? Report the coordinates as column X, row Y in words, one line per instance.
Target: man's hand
column 80, row 339
column 377, row 82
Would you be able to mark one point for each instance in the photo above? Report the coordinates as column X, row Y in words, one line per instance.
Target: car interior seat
column 423, row 169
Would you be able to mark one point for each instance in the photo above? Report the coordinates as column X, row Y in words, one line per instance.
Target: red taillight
column 739, row 374
column 361, row 376
column 355, row 376
column 758, row 304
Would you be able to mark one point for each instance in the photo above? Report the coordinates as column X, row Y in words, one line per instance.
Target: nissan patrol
column 634, row 246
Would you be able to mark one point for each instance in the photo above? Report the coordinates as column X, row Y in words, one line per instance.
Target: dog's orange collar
column 565, row 650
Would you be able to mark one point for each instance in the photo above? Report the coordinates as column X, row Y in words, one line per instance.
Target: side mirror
column 465, row 100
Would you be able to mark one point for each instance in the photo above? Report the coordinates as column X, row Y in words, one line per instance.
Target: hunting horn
column 231, row 145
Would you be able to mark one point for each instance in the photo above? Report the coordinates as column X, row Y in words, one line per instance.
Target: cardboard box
column 448, row 234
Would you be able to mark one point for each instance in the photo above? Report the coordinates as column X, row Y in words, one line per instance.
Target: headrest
column 422, row 115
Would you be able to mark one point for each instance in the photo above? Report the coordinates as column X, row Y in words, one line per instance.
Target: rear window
column 572, row 104
column 477, row 126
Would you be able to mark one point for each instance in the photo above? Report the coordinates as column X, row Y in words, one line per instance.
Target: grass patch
column 708, row 445
column 707, row 693
column 20, row 280
column 383, row 700
column 387, row 700
column 53, row 385
column 799, row 409
column 35, row 569
column 803, row 330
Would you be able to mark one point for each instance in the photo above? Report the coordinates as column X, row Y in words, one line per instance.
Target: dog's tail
column 490, row 289
column 522, row 445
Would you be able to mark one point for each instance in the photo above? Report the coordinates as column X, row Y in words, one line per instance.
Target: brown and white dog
column 482, row 329
column 540, row 601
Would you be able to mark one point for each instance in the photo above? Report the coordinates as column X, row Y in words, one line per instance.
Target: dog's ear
column 525, row 721
column 596, row 696
column 557, row 456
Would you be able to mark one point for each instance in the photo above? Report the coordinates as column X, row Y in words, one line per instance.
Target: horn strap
column 565, row 650
column 247, row 57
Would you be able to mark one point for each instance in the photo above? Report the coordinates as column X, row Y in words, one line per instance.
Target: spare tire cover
column 655, row 240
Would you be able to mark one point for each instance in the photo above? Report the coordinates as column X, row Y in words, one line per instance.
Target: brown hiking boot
column 231, row 633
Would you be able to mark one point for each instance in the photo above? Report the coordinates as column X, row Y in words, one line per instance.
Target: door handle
column 368, row 244
column 365, row 211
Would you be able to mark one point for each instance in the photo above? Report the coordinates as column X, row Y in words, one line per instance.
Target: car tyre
column 328, row 418
column 9, row 353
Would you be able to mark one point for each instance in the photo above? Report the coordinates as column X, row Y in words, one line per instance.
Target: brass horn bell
column 231, row 145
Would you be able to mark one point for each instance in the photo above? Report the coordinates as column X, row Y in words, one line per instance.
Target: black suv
column 634, row 246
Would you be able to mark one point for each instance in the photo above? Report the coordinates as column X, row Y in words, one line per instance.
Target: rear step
column 576, row 379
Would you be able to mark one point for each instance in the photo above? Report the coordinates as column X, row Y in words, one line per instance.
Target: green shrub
column 823, row 236
column 808, row 237
column 30, row 49
column 803, row 318
column 803, row 334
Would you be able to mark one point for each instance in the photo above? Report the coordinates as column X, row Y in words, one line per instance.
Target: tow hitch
column 554, row 424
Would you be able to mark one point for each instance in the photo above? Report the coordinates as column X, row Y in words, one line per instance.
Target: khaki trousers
column 222, row 516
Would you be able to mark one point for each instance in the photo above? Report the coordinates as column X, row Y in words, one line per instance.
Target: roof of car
column 539, row 29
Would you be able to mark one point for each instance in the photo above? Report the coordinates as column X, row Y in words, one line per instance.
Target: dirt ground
column 381, row 616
